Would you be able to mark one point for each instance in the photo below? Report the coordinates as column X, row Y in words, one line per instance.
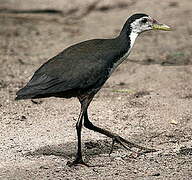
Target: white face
column 142, row 24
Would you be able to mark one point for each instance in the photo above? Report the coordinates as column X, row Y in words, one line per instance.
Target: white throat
column 132, row 37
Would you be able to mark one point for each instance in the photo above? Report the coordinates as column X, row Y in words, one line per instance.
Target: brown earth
column 148, row 99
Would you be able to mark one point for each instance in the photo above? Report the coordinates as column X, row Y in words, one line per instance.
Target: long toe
column 128, row 145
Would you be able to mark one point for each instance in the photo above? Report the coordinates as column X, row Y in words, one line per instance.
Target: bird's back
column 77, row 69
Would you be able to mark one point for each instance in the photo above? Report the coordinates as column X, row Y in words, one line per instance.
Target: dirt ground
column 147, row 100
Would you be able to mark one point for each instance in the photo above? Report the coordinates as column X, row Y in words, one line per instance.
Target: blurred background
column 148, row 98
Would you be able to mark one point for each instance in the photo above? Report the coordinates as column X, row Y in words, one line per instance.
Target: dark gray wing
column 78, row 67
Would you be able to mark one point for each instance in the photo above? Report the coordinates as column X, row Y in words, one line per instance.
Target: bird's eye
column 144, row 21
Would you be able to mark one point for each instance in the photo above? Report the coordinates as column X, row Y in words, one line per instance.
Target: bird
column 82, row 69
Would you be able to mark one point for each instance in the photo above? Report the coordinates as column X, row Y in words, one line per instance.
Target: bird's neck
column 128, row 35
column 127, row 40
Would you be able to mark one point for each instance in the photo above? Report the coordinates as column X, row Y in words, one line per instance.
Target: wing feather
column 77, row 67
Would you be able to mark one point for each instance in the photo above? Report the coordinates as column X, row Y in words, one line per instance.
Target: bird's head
column 139, row 23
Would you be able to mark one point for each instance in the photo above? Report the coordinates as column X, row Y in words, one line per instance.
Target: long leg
column 85, row 101
column 115, row 137
column 78, row 159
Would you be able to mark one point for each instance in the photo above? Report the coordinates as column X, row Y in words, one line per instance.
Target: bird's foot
column 128, row 145
column 76, row 162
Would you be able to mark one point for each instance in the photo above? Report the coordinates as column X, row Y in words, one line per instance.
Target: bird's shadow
column 68, row 150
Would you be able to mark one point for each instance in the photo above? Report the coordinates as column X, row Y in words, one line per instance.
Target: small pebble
column 156, row 174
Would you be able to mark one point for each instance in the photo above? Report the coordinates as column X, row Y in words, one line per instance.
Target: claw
column 121, row 143
column 129, row 145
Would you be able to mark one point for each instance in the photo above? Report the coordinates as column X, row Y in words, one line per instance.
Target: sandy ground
column 148, row 99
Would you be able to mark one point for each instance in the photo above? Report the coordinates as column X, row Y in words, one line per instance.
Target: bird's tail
column 25, row 93
column 20, row 97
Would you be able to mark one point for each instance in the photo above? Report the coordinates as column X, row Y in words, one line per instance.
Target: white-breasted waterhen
column 81, row 70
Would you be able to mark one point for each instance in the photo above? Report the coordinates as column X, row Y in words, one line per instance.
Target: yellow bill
column 162, row 27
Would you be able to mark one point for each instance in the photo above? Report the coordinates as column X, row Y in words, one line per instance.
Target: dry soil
column 147, row 100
